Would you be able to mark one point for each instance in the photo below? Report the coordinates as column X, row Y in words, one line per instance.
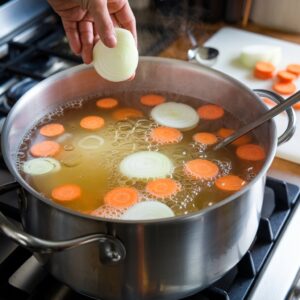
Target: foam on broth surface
column 96, row 168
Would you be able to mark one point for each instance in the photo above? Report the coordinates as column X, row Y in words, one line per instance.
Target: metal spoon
column 262, row 119
column 204, row 55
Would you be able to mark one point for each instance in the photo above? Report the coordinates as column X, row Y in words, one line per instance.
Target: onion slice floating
column 148, row 210
column 146, row 164
column 118, row 63
column 41, row 166
column 91, row 142
column 176, row 115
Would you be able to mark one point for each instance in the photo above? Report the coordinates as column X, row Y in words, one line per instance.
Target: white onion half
column 146, row 164
column 252, row 54
column 41, row 166
column 118, row 63
column 91, row 142
column 148, row 210
column 175, row 115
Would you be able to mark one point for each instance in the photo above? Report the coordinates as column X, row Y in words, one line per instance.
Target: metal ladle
column 262, row 119
column 204, row 55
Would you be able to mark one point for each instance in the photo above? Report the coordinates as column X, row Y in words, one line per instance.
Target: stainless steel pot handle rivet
column 111, row 249
column 291, row 126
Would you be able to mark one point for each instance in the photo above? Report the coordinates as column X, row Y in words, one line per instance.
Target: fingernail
column 110, row 41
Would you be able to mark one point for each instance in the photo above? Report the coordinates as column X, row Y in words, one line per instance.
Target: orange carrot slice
column 165, row 135
column 66, row 192
column 230, row 183
column 163, row 188
column 284, row 88
column 53, row 129
column 205, row 138
column 294, row 68
column 285, row 76
column 225, row 132
column 251, row 152
column 107, row 103
column 152, row 99
column 296, row 106
column 201, row 169
column 45, row 149
column 121, row 197
column 92, row 122
column 210, row 112
column 264, row 70
column 268, row 101
column 127, row 113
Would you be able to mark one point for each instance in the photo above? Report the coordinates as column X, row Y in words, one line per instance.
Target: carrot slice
column 268, row 101
column 53, row 129
column 264, row 70
column 127, row 113
column 296, row 106
column 251, row 152
column 284, row 88
column 201, row 169
column 121, row 197
column 230, row 183
column 92, row 122
column 107, row 103
column 163, row 188
column 294, row 68
column 210, row 112
column 225, row 132
column 285, row 76
column 66, row 192
column 205, row 138
column 165, row 135
column 45, row 149
column 152, row 99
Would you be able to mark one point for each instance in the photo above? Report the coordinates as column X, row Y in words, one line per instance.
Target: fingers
column 72, row 35
column 87, row 40
column 103, row 22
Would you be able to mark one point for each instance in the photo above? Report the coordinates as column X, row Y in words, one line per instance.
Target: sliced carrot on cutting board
column 284, row 88
column 205, row 138
column 165, row 135
column 230, row 183
column 294, row 68
column 45, row 149
column 201, row 169
column 92, row 122
column 225, row 132
column 53, row 129
column 251, row 152
column 210, row 112
column 264, row 70
column 107, row 103
column 127, row 113
column 152, row 99
column 121, row 197
column 163, row 188
column 66, row 192
column 285, row 76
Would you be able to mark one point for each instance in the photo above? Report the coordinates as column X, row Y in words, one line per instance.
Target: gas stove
column 34, row 48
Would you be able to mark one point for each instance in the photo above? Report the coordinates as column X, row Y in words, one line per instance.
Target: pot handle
column 112, row 249
column 291, row 126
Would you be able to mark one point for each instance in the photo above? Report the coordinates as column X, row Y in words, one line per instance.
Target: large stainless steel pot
column 167, row 259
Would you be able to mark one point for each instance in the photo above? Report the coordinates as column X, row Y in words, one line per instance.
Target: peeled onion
column 118, row 63
column 252, row 54
column 148, row 210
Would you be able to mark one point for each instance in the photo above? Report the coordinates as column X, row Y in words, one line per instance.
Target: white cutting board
column 230, row 41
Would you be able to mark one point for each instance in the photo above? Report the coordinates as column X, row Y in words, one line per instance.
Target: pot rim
column 13, row 170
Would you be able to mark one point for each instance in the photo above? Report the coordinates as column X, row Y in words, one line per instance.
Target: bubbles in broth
column 80, row 159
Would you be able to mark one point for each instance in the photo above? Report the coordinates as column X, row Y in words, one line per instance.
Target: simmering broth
column 91, row 158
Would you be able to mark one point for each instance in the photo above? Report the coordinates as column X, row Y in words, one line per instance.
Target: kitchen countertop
column 280, row 168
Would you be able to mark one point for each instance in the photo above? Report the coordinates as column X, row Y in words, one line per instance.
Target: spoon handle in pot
column 262, row 119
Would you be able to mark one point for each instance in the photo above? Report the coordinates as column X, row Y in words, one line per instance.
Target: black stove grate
column 35, row 283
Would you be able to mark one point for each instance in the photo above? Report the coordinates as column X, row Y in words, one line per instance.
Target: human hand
column 87, row 21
